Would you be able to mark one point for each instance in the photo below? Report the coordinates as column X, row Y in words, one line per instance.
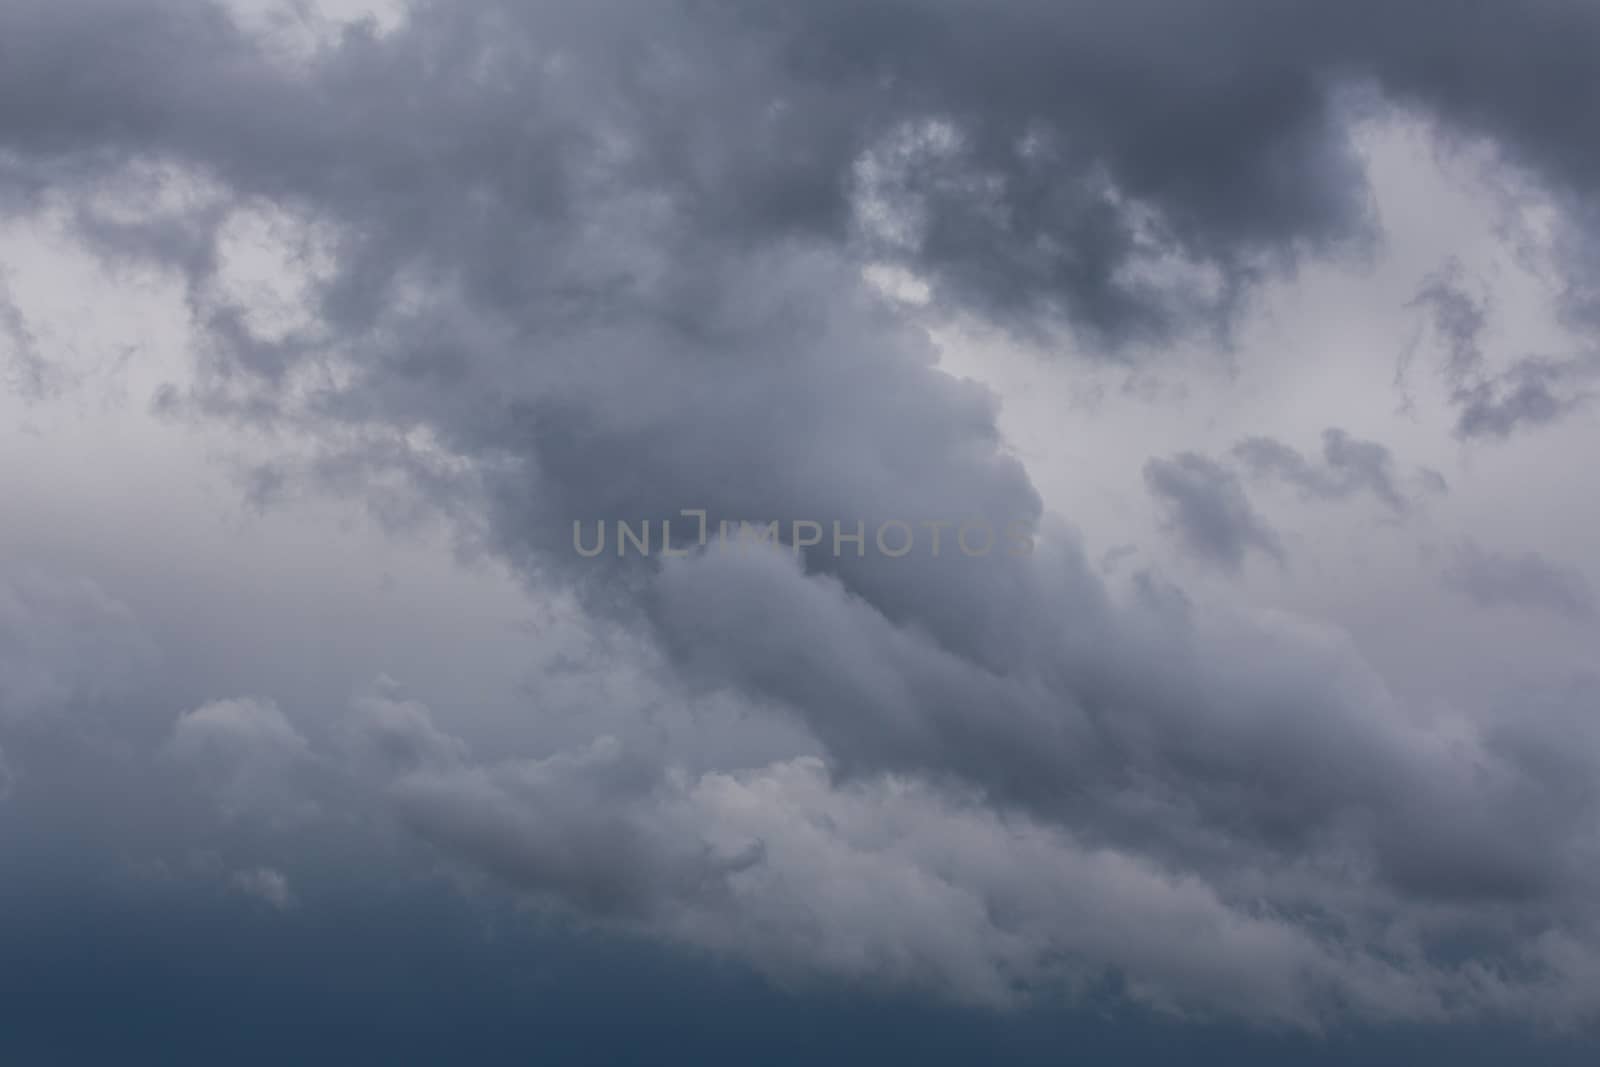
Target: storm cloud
column 510, row 267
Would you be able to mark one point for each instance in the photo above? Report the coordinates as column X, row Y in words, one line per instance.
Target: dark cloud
column 1208, row 510
column 603, row 262
column 1030, row 162
column 899, row 881
column 1495, row 580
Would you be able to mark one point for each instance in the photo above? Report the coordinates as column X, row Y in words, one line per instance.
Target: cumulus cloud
column 926, row 885
column 898, row 883
column 397, row 734
column 604, row 262
column 248, row 753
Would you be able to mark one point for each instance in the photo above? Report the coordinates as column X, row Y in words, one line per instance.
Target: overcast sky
column 1259, row 335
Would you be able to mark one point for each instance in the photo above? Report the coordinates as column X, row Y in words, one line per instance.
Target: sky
column 695, row 531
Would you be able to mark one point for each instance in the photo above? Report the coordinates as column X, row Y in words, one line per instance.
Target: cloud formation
column 1208, row 510
column 1494, row 580
column 64, row 642
column 1348, row 466
column 550, row 263
column 1492, row 404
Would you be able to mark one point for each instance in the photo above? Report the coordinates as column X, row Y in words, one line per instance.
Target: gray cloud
column 1532, row 392
column 249, row 755
column 603, row 262
column 1076, row 149
column 27, row 372
column 64, row 643
column 1208, row 510
column 1494, row 580
column 1349, row 465
column 1492, row 404
column 1459, row 318
column 894, row 880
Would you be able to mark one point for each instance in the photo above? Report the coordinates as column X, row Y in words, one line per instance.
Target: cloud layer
column 498, row 268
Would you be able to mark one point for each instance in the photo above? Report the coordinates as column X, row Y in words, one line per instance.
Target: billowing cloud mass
column 503, row 275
